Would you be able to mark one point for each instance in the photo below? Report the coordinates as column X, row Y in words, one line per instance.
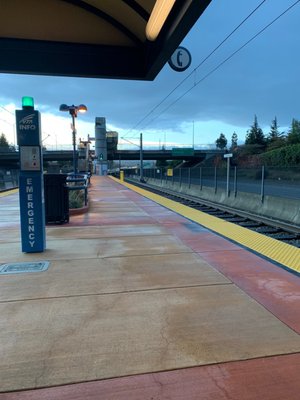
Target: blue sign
column 28, row 127
column 181, row 59
column 32, row 213
column 31, row 184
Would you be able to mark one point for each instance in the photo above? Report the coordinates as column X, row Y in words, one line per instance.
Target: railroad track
column 279, row 230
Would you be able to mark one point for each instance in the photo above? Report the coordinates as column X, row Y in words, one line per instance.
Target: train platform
column 143, row 302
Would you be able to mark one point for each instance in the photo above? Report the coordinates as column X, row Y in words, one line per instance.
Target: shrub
column 76, row 198
column 284, row 157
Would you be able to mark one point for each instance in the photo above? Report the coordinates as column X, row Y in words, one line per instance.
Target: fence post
column 262, row 191
column 228, row 177
column 200, row 178
column 215, row 179
column 235, row 182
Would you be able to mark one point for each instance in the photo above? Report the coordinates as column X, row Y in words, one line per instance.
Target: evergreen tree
column 275, row 138
column 4, row 145
column 234, row 140
column 255, row 135
column 293, row 136
column 274, row 133
column 221, row 142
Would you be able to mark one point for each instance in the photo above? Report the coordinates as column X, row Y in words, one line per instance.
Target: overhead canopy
column 91, row 38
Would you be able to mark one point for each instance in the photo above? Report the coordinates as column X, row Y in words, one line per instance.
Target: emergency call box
column 30, row 158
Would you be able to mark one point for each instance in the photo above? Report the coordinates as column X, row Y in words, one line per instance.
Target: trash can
column 56, row 198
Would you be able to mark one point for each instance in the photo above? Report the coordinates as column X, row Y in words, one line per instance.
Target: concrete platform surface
column 143, row 304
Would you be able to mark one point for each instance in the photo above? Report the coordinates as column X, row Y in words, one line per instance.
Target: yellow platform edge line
column 282, row 253
column 8, row 192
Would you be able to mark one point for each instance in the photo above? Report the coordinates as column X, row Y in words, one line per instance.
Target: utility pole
column 141, row 158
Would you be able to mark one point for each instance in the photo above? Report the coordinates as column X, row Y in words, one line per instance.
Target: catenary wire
column 198, row 66
column 5, row 109
column 222, row 63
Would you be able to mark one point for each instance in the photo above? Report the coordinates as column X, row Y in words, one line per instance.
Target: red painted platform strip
column 270, row 285
column 273, row 378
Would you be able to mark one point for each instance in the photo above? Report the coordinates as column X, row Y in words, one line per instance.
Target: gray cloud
column 261, row 79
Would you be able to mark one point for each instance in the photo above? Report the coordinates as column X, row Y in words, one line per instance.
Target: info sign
column 31, row 187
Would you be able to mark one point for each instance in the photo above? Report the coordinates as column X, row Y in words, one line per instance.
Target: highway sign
column 183, row 151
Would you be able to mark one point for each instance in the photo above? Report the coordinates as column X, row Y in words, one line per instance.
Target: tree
column 293, row 136
column 4, row 145
column 255, row 135
column 275, row 138
column 221, row 142
column 234, row 140
column 274, row 132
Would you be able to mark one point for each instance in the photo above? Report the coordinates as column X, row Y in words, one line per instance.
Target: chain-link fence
column 9, row 178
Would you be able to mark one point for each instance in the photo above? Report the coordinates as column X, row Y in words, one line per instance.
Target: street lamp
column 73, row 111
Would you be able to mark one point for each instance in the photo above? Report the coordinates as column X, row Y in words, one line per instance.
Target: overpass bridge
column 11, row 159
column 199, row 155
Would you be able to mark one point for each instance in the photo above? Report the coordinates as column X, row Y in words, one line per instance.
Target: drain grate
column 24, row 267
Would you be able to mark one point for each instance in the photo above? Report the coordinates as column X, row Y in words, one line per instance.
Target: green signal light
column 27, row 102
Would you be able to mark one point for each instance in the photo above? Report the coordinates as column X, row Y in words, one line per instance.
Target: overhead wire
column 198, row 66
column 5, row 109
column 223, row 62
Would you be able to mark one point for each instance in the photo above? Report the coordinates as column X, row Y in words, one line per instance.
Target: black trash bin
column 56, row 198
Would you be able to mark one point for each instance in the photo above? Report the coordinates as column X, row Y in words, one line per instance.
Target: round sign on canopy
column 180, row 60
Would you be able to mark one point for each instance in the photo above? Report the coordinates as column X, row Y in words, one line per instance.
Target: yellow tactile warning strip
column 282, row 253
column 8, row 192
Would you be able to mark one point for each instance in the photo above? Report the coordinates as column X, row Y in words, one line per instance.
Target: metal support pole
column 227, row 180
column 235, row 182
column 179, row 177
column 262, row 191
column 189, row 178
column 200, row 178
column 74, row 144
column 141, row 158
column 215, row 179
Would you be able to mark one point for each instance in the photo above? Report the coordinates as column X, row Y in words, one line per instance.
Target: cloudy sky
column 262, row 78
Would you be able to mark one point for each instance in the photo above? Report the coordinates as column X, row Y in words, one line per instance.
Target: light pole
column 46, row 138
column 141, row 159
column 73, row 111
column 141, row 155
